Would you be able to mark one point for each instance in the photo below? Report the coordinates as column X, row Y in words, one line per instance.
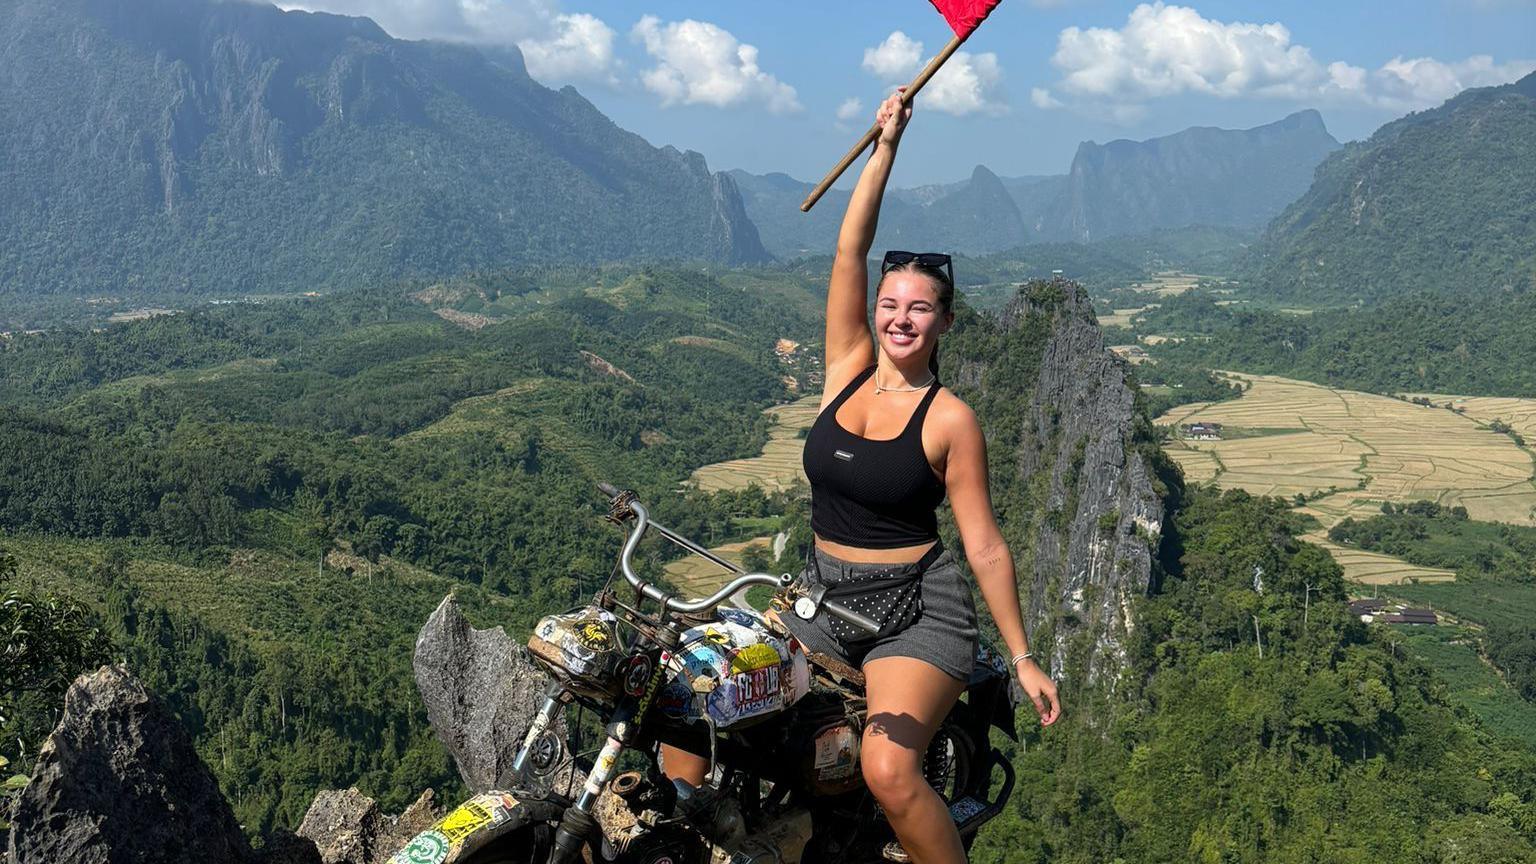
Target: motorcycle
column 782, row 727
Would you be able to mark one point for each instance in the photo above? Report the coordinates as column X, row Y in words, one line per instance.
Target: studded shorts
column 944, row 635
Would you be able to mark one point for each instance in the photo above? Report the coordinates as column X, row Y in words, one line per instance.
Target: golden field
column 778, row 467
column 1347, row 452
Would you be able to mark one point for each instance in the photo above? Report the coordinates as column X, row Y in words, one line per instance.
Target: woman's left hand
column 1041, row 690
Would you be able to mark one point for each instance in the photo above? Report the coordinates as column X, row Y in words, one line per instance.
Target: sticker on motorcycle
column 428, row 847
column 594, row 636
column 757, row 656
column 745, row 695
column 465, row 820
column 637, row 675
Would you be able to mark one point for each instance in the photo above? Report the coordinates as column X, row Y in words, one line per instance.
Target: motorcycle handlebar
column 745, row 580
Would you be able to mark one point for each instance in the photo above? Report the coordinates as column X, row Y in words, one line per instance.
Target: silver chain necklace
column 879, row 389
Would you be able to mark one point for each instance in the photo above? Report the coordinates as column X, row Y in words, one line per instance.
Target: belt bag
column 892, row 598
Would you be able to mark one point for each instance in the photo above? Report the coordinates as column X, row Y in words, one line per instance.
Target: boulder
column 481, row 689
column 118, row 782
column 348, row 828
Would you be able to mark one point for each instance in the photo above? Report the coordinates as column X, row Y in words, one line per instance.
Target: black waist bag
column 892, row 598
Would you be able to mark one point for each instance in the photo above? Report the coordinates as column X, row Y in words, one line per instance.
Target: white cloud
column 1426, row 81
column 559, row 47
column 896, row 58
column 1042, row 98
column 966, row 84
column 1168, row 50
column 850, row 109
column 580, row 48
column 699, row 63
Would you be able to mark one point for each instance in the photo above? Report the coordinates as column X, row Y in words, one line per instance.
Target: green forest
column 1418, row 342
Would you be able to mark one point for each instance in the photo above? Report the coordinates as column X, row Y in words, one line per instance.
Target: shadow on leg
column 908, row 699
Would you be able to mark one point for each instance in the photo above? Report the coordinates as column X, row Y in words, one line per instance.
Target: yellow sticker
column 594, row 636
column 759, row 656
column 468, row 818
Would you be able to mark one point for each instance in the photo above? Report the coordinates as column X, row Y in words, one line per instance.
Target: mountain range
column 1442, row 200
column 194, row 146
column 1201, row 176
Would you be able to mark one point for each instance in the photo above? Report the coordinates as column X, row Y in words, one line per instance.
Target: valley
column 1341, row 453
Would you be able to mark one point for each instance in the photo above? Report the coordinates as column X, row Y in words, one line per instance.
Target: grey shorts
column 944, row 635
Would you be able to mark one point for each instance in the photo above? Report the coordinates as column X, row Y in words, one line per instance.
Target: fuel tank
column 734, row 672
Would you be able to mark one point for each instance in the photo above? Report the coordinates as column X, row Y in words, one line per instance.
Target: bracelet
column 1023, row 656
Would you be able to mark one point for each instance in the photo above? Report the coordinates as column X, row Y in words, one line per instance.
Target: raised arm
column 848, row 344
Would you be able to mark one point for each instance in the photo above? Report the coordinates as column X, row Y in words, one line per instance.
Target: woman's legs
column 908, row 699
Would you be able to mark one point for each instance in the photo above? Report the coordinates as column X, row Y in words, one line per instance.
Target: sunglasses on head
column 929, row 260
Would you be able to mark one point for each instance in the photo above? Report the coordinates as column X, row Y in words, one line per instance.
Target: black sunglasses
column 929, row 260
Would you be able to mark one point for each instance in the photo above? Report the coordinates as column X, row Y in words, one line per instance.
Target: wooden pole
column 874, row 130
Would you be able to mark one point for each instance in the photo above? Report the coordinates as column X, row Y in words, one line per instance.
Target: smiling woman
column 889, row 444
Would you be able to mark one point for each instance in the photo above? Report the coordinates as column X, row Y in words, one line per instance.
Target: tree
column 46, row 640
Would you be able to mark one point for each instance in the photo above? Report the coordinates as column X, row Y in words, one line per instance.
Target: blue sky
column 760, row 85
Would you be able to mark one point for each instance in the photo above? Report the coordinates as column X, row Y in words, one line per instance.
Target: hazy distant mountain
column 975, row 216
column 1219, row 178
column 1200, row 176
column 1443, row 199
column 219, row 146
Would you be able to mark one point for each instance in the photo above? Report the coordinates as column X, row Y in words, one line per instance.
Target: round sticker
column 429, row 847
column 638, row 675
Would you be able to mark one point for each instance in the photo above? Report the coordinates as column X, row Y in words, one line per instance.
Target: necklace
column 922, row 386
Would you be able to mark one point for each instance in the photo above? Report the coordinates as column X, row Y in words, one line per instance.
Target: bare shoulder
column 951, row 414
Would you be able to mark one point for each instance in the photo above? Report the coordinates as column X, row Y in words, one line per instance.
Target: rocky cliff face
column 1237, row 178
column 1072, row 478
column 119, row 781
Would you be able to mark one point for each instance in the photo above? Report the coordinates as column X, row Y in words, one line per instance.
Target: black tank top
column 872, row 494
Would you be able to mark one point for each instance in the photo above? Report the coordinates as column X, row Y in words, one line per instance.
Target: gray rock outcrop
column 1083, row 506
column 347, row 827
column 118, row 782
column 480, row 689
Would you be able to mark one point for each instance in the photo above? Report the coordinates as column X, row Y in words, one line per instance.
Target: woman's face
column 908, row 317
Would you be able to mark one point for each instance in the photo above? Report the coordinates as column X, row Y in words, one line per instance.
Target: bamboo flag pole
column 874, row 130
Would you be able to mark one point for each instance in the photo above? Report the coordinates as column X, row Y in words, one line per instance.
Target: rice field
column 1347, row 452
column 1168, row 283
column 778, row 467
column 1373, row 568
column 1520, row 414
column 1122, row 317
column 695, row 577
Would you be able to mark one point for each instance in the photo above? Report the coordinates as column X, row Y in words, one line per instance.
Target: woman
column 888, row 445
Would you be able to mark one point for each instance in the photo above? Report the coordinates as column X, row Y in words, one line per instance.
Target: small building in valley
column 1373, row 610
column 1201, row 431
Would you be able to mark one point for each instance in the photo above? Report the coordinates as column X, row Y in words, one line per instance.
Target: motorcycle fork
column 577, row 824
column 553, row 697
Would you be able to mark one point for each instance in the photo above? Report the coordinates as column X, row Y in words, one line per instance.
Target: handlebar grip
column 850, row 616
column 607, row 489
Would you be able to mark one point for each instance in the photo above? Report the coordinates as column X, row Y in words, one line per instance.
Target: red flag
column 964, row 16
